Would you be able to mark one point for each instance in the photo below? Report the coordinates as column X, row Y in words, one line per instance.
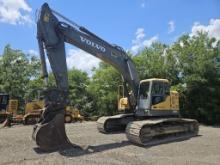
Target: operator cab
column 152, row 91
column 156, row 99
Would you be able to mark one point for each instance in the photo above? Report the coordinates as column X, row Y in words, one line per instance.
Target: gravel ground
column 16, row 147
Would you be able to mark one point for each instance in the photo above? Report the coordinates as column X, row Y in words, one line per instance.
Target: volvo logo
column 92, row 44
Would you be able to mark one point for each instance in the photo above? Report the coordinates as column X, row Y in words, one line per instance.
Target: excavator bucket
column 51, row 135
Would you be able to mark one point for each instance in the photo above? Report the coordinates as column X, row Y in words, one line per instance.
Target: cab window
column 159, row 92
column 157, row 88
column 144, row 89
column 4, row 100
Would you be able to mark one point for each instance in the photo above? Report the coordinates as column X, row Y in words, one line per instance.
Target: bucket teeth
column 51, row 135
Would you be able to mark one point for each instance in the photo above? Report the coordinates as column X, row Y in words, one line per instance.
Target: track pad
column 51, row 135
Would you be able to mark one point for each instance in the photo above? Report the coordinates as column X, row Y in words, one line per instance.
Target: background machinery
column 34, row 108
column 8, row 109
column 32, row 111
column 151, row 109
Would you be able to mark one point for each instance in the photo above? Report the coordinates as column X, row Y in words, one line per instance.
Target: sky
column 132, row 24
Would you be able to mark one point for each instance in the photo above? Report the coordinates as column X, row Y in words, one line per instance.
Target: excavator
column 151, row 111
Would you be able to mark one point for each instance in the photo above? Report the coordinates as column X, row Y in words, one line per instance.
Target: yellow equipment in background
column 34, row 108
column 9, row 111
column 8, row 108
column 32, row 111
column 13, row 110
column 72, row 115
column 13, row 106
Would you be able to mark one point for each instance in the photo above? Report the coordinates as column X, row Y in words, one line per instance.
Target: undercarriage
column 149, row 131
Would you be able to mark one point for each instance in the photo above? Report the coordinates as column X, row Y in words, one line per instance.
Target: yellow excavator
column 151, row 111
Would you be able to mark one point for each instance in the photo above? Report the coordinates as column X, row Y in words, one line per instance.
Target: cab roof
column 155, row 79
column 3, row 94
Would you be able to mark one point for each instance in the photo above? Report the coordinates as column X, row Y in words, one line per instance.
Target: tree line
column 191, row 64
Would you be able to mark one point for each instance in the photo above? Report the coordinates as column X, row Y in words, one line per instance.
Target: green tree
column 103, row 88
column 198, row 59
column 78, row 94
column 156, row 61
column 17, row 71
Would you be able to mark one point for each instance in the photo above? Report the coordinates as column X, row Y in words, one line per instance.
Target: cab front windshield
column 144, row 89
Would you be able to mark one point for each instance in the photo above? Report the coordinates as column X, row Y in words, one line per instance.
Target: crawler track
column 115, row 123
column 156, row 131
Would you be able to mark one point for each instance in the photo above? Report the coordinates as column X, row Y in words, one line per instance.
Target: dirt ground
column 16, row 147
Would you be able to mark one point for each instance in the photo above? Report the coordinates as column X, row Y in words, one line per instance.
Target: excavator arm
column 52, row 35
